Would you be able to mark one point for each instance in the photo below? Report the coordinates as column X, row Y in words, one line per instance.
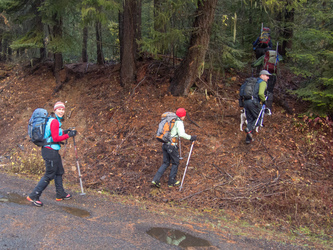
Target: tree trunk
column 1, row 57
column 85, row 45
column 40, row 28
column 127, row 70
column 4, row 49
column 100, row 56
column 58, row 61
column 288, row 31
column 121, row 33
column 189, row 69
column 137, row 24
column 157, row 10
column 10, row 53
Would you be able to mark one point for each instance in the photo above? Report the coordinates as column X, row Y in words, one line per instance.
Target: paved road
column 93, row 222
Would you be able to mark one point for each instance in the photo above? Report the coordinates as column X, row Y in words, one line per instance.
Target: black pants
column 54, row 170
column 170, row 155
column 252, row 111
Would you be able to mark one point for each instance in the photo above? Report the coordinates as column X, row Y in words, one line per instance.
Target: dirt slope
column 285, row 173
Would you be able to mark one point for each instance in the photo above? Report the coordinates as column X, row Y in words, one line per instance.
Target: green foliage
column 99, row 10
column 30, row 40
column 312, row 56
column 223, row 52
column 168, row 27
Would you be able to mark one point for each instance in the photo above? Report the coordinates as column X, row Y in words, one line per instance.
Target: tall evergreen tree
column 312, row 55
column 96, row 13
column 27, row 16
column 190, row 68
column 128, row 68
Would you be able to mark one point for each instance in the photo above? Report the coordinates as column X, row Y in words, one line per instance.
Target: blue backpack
column 36, row 126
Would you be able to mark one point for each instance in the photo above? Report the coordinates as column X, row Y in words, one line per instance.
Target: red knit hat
column 59, row 105
column 181, row 112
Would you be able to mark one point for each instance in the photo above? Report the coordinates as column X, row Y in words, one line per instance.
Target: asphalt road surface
column 96, row 222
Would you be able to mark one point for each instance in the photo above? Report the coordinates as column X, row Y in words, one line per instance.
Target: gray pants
column 170, row 155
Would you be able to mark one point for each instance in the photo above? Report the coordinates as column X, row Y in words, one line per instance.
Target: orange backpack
column 168, row 120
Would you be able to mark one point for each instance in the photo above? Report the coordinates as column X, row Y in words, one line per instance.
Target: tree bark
column 121, row 33
column 58, row 61
column 4, row 49
column 1, row 45
column 128, row 68
column 10, row 53
column 100, row 56
column 288, row 31
column 40, row 28
column 137, row 27
column 189, row 69
column 85, row 45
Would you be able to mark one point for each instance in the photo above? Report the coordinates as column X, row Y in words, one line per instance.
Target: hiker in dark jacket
column 50, row 153
column 254, row 105
column 262, row 43
column 170, row 151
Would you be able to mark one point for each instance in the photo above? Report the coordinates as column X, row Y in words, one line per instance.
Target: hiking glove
column 193, row 138
column 72, row 133
column 66, row 131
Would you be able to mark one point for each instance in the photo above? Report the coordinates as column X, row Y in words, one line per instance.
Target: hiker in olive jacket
column 253, row 106
column 170, row 151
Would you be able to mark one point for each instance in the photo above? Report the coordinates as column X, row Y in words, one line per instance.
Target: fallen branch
column 223, row 171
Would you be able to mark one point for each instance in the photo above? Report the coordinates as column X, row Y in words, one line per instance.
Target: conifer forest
column 119, row 64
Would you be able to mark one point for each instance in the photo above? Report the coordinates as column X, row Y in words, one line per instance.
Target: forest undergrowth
column 283, row 180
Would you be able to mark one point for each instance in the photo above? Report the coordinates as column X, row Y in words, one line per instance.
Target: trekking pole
column 260, row 116
column 78, row 167
column 188, row 159
column 180, row 149
column 258, row 121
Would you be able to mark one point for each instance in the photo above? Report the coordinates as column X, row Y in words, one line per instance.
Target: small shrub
column 27, row 163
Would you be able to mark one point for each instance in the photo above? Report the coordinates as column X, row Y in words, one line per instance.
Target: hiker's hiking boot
column 176, row 184
column 156, row 184
column 35, row 201
column 249, row 137
column 65, row 197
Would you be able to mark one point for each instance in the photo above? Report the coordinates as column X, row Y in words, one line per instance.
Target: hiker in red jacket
column 170, row 151
column 50, row 153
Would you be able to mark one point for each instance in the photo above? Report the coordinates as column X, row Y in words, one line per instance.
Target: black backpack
column 247, row 90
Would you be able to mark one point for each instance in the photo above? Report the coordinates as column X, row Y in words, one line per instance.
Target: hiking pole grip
column 188, row 159
column 78, row 167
